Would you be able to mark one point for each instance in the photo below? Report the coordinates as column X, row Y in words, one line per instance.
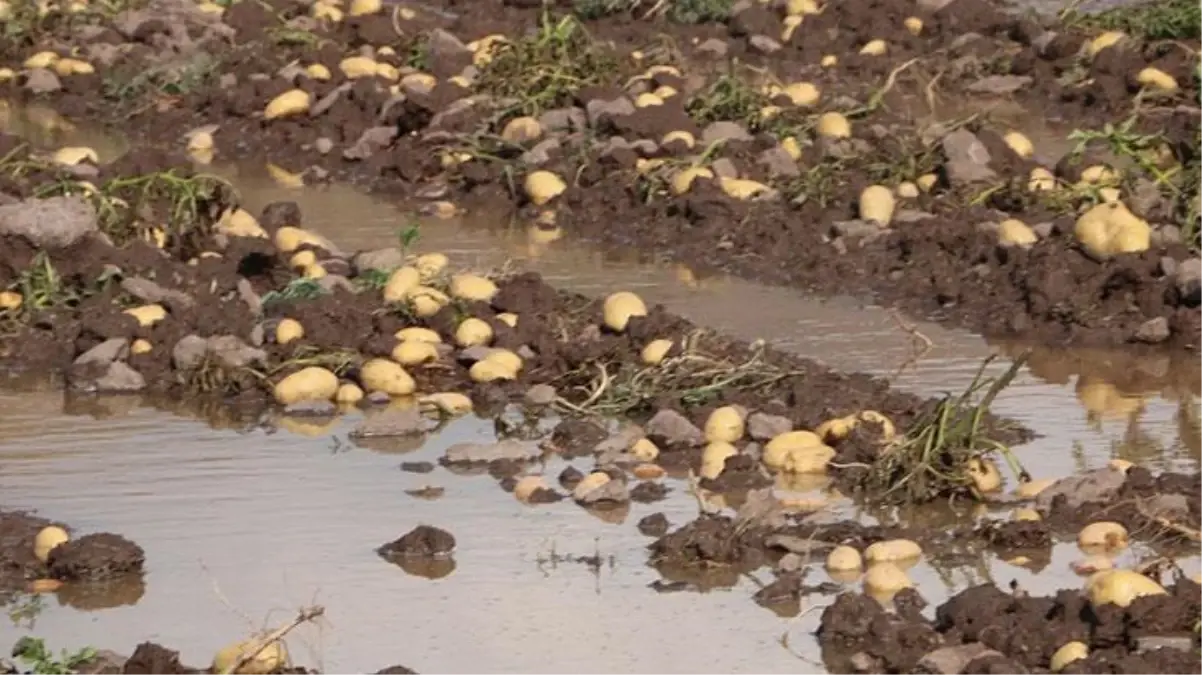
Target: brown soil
column 943, row 267
column 89, row 560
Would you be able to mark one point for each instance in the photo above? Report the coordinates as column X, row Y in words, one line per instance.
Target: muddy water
column 241, row 527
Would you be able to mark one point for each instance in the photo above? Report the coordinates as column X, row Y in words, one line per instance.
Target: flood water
column 243, row 527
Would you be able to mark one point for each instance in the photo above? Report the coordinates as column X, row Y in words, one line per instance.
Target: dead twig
column 305, row 615
column 1183, row 530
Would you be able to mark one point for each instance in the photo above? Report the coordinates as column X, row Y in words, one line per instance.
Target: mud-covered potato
column 714, row 456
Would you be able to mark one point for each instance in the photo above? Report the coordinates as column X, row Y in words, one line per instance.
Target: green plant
column 41, row 660
column 680, row 11
column 1156, row 20
column 24, row 610
column 42, row 286
column 407, row 236
column 297, row 289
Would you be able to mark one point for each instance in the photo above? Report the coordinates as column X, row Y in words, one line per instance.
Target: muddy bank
column 685, row 153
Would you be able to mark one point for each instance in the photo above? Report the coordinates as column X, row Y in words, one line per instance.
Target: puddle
column 238, row 525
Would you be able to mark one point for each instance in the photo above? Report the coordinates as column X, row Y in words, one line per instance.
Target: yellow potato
column 473, row 332
column 843, row 559
column 418, row 334
column 40, row 60
column 401, row 282
column 309, row 384
column 449, row 402
column 682, row 136
column 926, row 182
column 73, row 155
column 386, row 376
column 647, row 100
column 984, row 474
column 913, row 24
column 543, row 186
column 1015, row 232
column 1072, row 651
column 412, row 353
column 892, row 550
column 430, row 265
column 489, row 370
column 906, row 190
column 140, row 346
column 522, row 130
column 288, row 330
column 802, row 94
column 318, row 72
column 724, row 424
column 1107, row 230
column 11, row 300
column 363, row 7
column 1026, row 514
column 655, row 351
column 833, row 125
column 779, row 450
column 589, row 483
column 302, row 260
column 1104, row 41
column 426, row 301
column 47, row 539
column 349, row 394
column 147, row 315
column 620, row 307
column 714, row 456
column 644, row 450
column 270, row 660
column 886, row 579
column 877, row 204
column 1104, row 534
column 1155, row 78
column 287, row 104
column 287, row 239
column 1120, row 587
column 875, row 48
column 508, row 318
column 506, row 358
column 1019, row 143
column 682, row 181
column 527, row 486
column 472, row 287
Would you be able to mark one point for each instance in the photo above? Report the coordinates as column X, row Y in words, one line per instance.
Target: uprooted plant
column 946, row 451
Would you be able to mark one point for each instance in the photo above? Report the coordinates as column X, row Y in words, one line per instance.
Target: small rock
column 444, row 46
column 856, row 229
column 967, row 158
column 791, row 562
column 951, row 660
column 1153, row 331
column 370, row 142
column 483, row 453
column 246, row 291
column 723, row 167
column 422, row 541
column 323, row 104
column 323, row 145
column 332, row 282
column 382, row 259
column 311, row 409
column 713, row 48
column 654, row 525
column 564, row 119
column 42, row 81
column 95, row 557
column 1097, row 486
column 189, row 352
column 1149, row 643
column 779, row 163
column 55, row 222
column 674, row 428
column 541, row 394
column 1145, row 199
column 1170, row 506
column 598, row 110
column 116, row 378
column 722, row 131
column 113, row 349
column 613, row 492
column 391, row 423
column 1188, row 278
column 149, row 291
column 542, row 152
column 763, row 44
column 763, row 427
column 231, row 352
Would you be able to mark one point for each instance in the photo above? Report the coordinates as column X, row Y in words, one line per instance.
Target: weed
column 417, row 56
column 407, row 236
column 42, row 287
column 34, row 652
column 729, row 98
column 297, row 289
column 1156, row 20
column 372, row 279
column 932, row 459
column 679, row 11
column 286, row 36
column 149, row 86
column 23, row 611
column 545, row 70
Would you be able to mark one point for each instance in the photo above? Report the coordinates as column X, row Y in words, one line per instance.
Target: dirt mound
column 74, row 568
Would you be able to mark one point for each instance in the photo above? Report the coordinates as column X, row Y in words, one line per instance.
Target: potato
column 47, row 539
column 648, row 471
column 508, row 318
column 714, row 456
column 1107, row 230
column 401, row 282
column 11, row 300
column 239, row 223
column 348, row 393
column 327, row 12
column 147, row 315
column 724, row 424
column 1121, row 465
column 906, row 190
column 886, row 579
column 449, row 402
column 386, row 376
column 778, row 450
column 314, row 271
column 589, row 483
column 418, row 334
column 543, row 186
column 844, row 558
column 682, row 136
column 488, row 370
column 742, row 189
column 791, row 147
column 829, row 61
column 1103, row 534
column 1155, row 78
column 833, row 125
column 318, row 72
column 913, row 24
column 287, row 239
column 426, row 301
column 877, row 204
column 506, row 359
column 893, row 550
column 984, row 474
column 522, row 130
column 430, row 265
column 364, row 7
column 1104, row 41
column 620, row 307
column 288, row 330
column 1120, row 587
column 418, row 82
column 655, row 351
column 287, row 104
column 1030, row 489
column 682, row 181
column 1071, row 651
column 302, row 260
column 355, row 67
column 647, row 100
column 270, row 660
column 413, row 353
column 875, row 48
column 789, row 26
column 1019, row 143
column 43, row 59
column 926, row 182
column 472, row 287
column 71, row 156
column 1025, row 514
column 527, row 486
column 802, row 94
column 473, row 332
column 308, row 384
column 1014, row 232
column 140, row 346
column 644, row 450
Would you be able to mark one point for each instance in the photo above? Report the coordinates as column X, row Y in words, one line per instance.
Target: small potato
column 844, row 558
column 269, row 660
column 655, row 351
column 47, row 539
column 892, row 550
column 620, row 307
column 1072, row 651
column 418, row 334
column 724, row 424
column 527, row 487
column 449, row 402
column 147, row 315
column 589, row 483
column 644, row 450
column 714, row 456
column 348, row 394
column 473, row 332
column 309, row 384
column 386, row 376
column 1104, row 534
column 288, row 330
column 1120, row 587
column 985, row 475
column 489, row 370
column 414, row 353
column 472, row 287
column 886, row 579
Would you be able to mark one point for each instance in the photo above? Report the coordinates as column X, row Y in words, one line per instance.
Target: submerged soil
column 170, row 69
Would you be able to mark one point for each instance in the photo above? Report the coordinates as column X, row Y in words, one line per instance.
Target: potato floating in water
column 655, row 351
column 1030, row 489
column 288, row 330
column 270, row 660
column 877, row 204
column 47, row 539
column 412, row 353
column 473, row 332
column 309, row 384
column 893, row 550
column 619, row 308
column 147, row 315
column 714, row 456
column 1104, row 534
column 386, row 376
column 644, row 450
column 449, row 402
column 528, row 486
column 287, row 104
column 472, row 287
column 1072, row 651
column 1120, row 587
column 543, row 186
column 844, row 558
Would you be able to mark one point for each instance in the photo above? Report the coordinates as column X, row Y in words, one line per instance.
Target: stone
column 54, row 222
column 967, row 158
